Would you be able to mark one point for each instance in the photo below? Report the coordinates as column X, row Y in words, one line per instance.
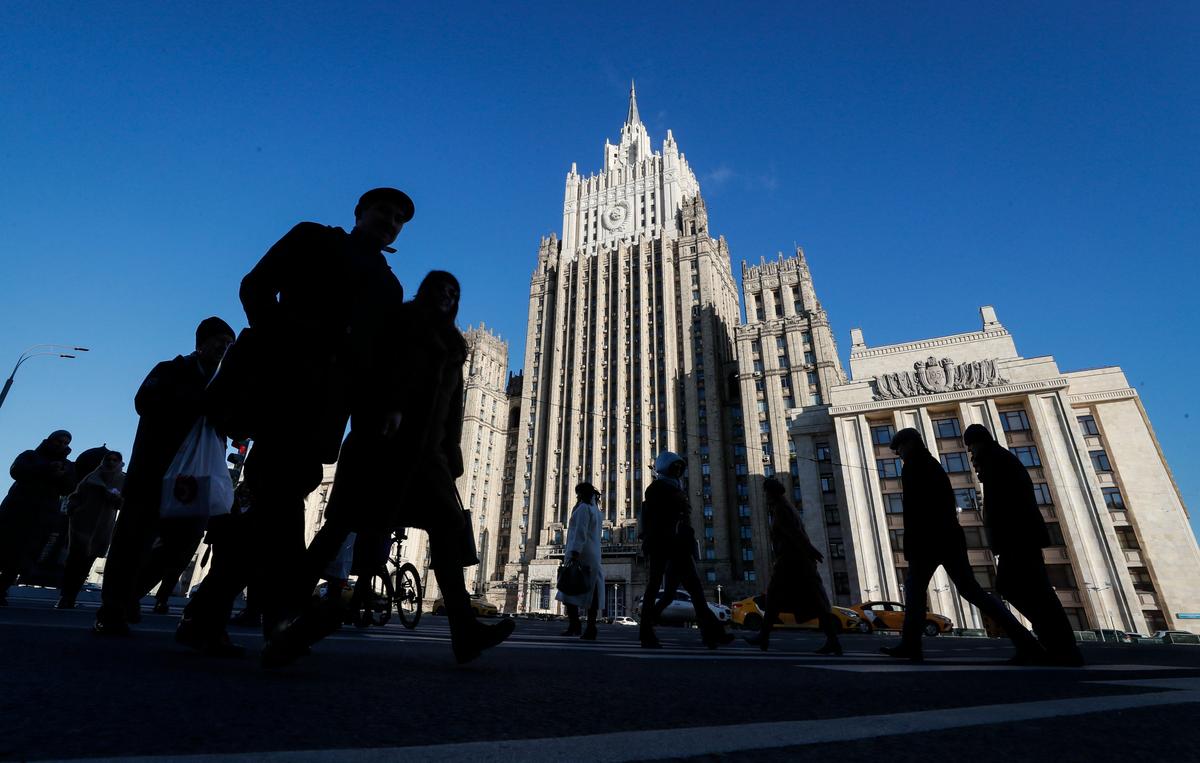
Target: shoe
column 902, row 652
column 589, row 633
column 832, row 649
column 212, row 644
column 161, row 608
column 285, row 645
column 571, row 631
column 648, row 639
column 717, row 638
column 107, row 626
column 65, row 603
column 758, row 640
column 480, row 637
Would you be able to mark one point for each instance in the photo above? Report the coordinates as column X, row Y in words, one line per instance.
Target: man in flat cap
column 169, row 402
column 315, row 303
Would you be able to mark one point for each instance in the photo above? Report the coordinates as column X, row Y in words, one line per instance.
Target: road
column 392, row 694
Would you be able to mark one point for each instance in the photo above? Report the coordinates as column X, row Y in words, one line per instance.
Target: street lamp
column 39, row 351
column 1097, row 588
column 718, row 593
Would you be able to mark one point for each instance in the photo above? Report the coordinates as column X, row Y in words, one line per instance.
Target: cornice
column 1044, row 385
column 1128, row 393
column 925, row 344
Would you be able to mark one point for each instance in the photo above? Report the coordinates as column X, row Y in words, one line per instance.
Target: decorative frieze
column 932, row 376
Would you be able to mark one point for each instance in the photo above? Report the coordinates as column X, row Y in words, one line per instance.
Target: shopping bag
column 198, row 484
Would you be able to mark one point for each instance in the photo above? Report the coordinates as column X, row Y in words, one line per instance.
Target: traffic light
column 239, row 456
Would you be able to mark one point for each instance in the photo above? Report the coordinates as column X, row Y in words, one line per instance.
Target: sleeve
column 261, row 286
column 167, row 390
column 576, row 531
column 28, row 466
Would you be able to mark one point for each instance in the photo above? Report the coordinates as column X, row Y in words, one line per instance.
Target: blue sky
column 1038, row 157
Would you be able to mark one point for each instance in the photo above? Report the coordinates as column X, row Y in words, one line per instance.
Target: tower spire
column 632, row 118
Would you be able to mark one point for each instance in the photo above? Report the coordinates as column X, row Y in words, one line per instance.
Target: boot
column 647, row 638
column 760, row 640
column 213, row 642
column 903, row 652
column 470, row 639
column 589, row 634
column 831, row 647
column 110, row 623
column 65, row 602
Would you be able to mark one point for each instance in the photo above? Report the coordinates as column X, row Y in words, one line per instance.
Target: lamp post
column 718, row 593
column 1098, row 588
column 38, row 351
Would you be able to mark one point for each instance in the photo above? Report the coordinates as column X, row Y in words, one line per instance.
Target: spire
column 633, row 118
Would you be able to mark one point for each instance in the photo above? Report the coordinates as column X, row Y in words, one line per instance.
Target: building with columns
column 1123, row 553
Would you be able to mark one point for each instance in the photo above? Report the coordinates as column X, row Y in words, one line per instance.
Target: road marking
column 926, row 667
column 718, row 740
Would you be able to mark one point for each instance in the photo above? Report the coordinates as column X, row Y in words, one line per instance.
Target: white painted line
column 927, row 667
column 710, row 740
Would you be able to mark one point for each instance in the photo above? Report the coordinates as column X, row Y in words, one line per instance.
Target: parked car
column 624, row 621
column 749, row 613
column 681, row 610
column 1177, row 637
column 479, row 605
column 1112, row 636
column 889, row 616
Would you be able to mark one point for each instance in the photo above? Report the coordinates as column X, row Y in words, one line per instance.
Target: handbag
column 197, row 484
column 573, row 578
column 468, row 554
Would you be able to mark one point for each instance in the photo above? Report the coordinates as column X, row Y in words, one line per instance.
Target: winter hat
column 906, row 435
column 665, row 460
column 210, row 327
column 977, row 433
column 59, row 433
column 585, row 490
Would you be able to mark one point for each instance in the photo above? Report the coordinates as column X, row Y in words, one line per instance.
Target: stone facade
column 1123, row 554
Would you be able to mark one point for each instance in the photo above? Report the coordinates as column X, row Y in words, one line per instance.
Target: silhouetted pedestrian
column 92, row 511
column 932, row 539
column 405, row 477
column 175, row 546
column 169, row 402
column 31, row 510
column 314, row 303
column 669, row 545
column 795, row 585
column 1017, row 534
column 583, row 545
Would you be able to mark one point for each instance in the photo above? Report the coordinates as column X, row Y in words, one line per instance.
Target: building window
column 708, row 533
column 749, row 576
column 1041, row 491
column 827, row 485
column 946, row 428
column 710, row 553
column 743, row 509
column 1027, row 455
column 1113, row 499
column 810, row 359
column 745, row 531
column 837, row 550
column 966, row 499
column 1141, row 579
column 974, row 537
column 710, row 576
column 747, row 554
column 882, row 435
column 708, row 511
column 1100, row 461
column 841, row 583
column 893, row 503
column 897, row 539
column 955, row 463
column 1127, row 538
column 1056, row 535
column 1014, row 421
column 1089, row 425
column 783, row 362
column 544, row 596
column 889, row 468
column 822, row 451
column 832, row 515
column 985, row 576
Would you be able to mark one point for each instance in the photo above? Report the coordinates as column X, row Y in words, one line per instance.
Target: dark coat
column 317, row 300
column 408, row 480
column 32, row 509
column 795, row 584
column 931, row 529
column 169, row 402
column 1010, row 510
column 789, row 540
column 666, row 521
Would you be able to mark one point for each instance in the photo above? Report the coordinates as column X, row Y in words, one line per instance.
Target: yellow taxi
column 749, row 613
column 479, row 605
column 889, row 616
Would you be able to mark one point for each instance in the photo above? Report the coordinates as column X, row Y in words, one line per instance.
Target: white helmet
column 665, row 460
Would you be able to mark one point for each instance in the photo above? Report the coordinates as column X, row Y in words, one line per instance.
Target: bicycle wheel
column 409, row 594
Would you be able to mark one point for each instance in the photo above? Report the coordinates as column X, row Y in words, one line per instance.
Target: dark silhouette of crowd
column 332, row 344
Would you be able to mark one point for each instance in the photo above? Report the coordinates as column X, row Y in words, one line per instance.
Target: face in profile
column 213, row 349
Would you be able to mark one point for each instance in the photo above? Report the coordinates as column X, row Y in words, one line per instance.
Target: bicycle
column 397, row 585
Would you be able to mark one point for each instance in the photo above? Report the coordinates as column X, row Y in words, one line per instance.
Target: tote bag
column 198, row 484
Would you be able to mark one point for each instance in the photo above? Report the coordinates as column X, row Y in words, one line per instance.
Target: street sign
column 1188, row 615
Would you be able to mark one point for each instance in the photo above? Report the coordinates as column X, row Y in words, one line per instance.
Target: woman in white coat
column 583, row 544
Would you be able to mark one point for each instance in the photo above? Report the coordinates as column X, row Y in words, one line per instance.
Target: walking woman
column 795, row 585
column 92, row 515
column 583, row 545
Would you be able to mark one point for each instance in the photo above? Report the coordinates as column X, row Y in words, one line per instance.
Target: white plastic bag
column 198, row 483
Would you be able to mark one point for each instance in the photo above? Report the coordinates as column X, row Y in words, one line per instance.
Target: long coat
column 92, row 509
column 317, row 301
column 168, row 403
column 408, row 480
column 33, row 506
column 795, row 584
column 931, row 526
column 583, row 535
column 1010, row 509
column 666, row 521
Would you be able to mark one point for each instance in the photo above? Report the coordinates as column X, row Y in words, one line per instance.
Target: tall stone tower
column 628, row 348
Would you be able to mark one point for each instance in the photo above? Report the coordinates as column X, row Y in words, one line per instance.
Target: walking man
column 1017, row 534
column 31, row 510
column 169, row 402
column 669, row 545
column 314, row 302
column 932, row 539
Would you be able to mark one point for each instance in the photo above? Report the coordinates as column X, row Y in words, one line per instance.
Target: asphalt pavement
column 394, row 694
